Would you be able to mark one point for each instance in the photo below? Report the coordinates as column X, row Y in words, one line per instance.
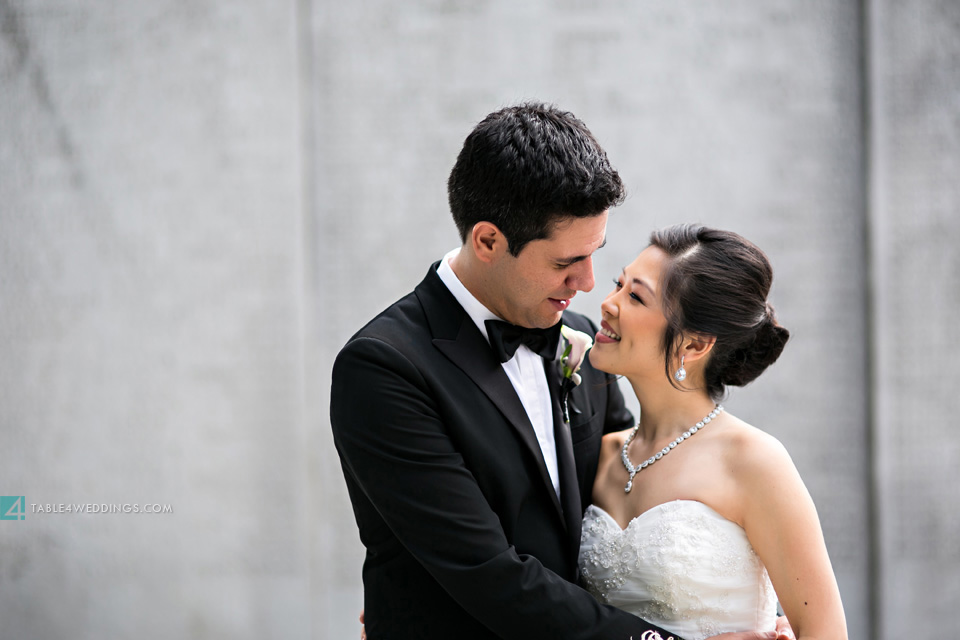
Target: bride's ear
column 694, row 348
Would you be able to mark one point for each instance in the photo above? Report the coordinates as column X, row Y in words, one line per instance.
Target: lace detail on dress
column 681, row 566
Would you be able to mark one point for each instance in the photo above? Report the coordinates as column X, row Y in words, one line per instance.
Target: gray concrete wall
column 151, row 331
column 915, row 233
column 199, row 204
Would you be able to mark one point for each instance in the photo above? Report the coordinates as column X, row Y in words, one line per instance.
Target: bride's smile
column 629, row 341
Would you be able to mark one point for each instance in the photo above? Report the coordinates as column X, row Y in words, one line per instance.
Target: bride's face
column 633, row 323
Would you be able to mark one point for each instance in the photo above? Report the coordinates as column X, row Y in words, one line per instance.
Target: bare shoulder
column 751, row 453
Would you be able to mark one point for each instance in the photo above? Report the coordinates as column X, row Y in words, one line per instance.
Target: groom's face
column 535, row 287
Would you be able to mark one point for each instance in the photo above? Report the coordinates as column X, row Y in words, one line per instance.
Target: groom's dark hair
column 524, row 168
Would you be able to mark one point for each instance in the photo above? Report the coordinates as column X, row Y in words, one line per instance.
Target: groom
column 467, row 482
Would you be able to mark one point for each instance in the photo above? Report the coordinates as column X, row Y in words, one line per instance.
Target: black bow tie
column 505, row 338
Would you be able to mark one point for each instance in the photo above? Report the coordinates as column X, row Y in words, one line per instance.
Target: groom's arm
column 395, row 446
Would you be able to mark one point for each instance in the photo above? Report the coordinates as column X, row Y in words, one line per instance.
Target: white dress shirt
column 525, row 370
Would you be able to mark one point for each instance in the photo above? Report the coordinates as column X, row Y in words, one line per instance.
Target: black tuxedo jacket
column 465, row 535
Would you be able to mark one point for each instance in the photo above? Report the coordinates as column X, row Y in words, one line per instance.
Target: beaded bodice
column 680, row 565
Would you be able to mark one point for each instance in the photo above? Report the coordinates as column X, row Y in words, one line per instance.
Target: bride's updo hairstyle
column 715, row 283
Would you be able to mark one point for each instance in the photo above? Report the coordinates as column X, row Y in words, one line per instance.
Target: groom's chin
column 546, row 321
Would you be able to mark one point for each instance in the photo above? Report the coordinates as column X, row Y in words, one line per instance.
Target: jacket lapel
column 569, row 487
column 459, row 339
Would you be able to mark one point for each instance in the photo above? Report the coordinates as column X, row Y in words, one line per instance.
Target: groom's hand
column 363, row 629
column 784, row 631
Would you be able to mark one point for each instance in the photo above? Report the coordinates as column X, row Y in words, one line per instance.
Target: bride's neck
column 666, row 412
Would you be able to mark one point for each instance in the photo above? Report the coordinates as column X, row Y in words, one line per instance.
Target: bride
column 700, row 521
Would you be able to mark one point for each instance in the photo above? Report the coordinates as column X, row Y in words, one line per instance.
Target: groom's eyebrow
column 576, row 259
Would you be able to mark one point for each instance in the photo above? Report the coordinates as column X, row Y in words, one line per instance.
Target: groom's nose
column 580, row 277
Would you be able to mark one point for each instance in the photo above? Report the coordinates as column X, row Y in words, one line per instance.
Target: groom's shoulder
column 403, row 317
column 411, row 320
column 392, row 337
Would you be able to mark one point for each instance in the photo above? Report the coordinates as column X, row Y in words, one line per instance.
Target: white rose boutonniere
column 575, row 345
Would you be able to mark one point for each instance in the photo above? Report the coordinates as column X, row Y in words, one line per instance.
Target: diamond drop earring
column 681, row 373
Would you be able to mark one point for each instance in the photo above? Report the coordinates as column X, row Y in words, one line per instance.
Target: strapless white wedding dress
column 681, row 566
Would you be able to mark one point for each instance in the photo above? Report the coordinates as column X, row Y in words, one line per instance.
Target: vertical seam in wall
column 871, row 375
column 308, row 164
column 307, row 247
column 307, row 153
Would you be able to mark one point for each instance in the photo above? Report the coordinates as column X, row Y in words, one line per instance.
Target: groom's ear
column 487, row 241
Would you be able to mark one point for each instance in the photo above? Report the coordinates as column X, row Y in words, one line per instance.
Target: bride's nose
column 609, row 307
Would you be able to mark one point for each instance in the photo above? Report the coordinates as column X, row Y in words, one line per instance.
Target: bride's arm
column 781, row 522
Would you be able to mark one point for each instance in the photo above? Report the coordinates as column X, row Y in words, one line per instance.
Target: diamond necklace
column 632, row 470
